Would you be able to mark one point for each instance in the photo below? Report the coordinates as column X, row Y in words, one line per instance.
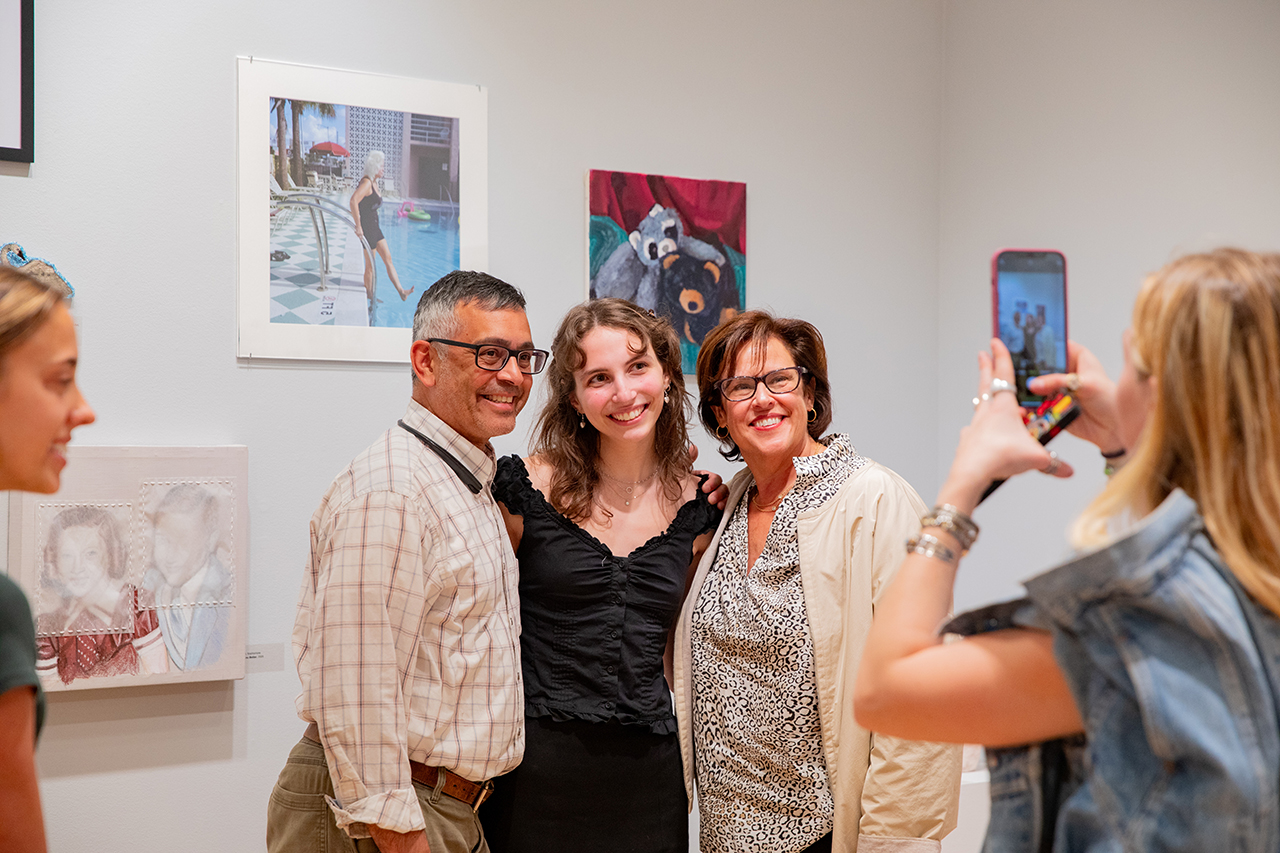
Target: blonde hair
column 25, row 303
column 372, row 163
column 1206, row 331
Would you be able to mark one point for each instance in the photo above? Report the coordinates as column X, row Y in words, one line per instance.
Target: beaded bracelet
column 929, row 546
column 952, row 520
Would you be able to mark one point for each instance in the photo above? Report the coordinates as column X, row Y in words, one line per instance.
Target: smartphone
column 1029, row 313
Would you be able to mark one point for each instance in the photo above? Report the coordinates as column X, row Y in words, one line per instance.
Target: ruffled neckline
column 513, row 487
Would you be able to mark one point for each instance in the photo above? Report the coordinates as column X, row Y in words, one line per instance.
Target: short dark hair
column 435, row 316
column 723, row 345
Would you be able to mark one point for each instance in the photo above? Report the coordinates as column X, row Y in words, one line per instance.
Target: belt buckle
column 485, row 790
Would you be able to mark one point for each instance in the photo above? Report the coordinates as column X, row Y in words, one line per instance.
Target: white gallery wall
column 1123, row 132
column 889, row 146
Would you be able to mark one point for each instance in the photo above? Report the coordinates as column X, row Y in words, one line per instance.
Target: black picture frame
column 25, row 152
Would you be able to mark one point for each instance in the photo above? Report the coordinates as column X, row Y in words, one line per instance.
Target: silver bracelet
column 930, row 546
column 952, row 520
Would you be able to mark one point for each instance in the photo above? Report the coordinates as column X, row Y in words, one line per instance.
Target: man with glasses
column 408, row 629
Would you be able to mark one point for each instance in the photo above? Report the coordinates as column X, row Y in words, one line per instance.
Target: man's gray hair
column 436, row 316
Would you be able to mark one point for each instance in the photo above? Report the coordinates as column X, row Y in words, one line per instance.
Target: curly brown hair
column 572, row 451
column 723, row 345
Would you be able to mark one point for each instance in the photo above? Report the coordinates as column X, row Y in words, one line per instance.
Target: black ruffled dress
column 601, row 768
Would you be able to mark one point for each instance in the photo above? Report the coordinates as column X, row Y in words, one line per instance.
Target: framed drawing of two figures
column 135, row 569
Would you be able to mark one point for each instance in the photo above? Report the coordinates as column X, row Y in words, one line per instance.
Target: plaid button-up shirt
column 407, row 636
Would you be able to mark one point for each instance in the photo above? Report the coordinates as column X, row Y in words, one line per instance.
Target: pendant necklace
column 629, row 488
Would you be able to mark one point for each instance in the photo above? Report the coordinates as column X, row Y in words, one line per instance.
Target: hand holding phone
column 1095, row 394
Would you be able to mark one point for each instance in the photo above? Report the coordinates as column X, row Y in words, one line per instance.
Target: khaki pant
column 300, row 821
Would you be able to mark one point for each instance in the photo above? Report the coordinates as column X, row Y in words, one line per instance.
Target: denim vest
column 1175, row 670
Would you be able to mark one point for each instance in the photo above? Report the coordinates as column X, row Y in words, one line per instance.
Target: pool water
column 422, row 252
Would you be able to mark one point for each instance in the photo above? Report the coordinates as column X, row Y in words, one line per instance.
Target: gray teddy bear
column 632, row 271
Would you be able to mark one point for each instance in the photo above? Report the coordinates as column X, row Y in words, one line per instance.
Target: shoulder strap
column 464, row 474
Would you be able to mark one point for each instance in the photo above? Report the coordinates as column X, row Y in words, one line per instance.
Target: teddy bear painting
column 696, row 295
column 676, row 246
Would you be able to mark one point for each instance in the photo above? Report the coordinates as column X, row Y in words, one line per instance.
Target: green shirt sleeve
column 18, row 645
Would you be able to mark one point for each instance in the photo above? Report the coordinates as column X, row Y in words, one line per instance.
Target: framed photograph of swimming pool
column 137, row 569
column 356, row 191
column 17, row 80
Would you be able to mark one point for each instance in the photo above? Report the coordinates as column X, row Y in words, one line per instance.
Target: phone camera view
column 1031, row 315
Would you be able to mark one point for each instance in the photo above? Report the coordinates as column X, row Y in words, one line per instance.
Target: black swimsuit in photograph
column 602, row 763
column 368, row 208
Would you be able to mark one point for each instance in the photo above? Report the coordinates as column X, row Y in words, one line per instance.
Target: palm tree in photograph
column 298, row 107
column 278, row 104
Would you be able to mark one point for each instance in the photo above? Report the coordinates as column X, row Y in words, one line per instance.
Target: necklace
column 629, row 488
column 767, row 507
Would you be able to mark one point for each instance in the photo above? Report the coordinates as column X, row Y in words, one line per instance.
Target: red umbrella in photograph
column 331, row 148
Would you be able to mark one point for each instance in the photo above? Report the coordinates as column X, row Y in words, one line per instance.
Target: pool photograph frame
column 317, row 277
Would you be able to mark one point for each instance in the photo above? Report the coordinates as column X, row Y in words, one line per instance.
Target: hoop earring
column 722, row 433
column 813, row 415
column 582, row 421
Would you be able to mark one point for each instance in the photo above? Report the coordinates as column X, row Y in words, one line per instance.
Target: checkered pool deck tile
column 299, row 291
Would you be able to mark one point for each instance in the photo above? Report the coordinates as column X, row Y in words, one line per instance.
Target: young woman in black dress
column 365, row 201
column 606, row 519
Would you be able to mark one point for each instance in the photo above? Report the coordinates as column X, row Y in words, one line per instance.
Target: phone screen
column 1029, row 296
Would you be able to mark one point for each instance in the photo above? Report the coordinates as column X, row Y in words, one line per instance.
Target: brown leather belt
column 471, row 793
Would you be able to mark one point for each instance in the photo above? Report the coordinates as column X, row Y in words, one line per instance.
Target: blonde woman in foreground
column 1160, row 642
column 40, row 404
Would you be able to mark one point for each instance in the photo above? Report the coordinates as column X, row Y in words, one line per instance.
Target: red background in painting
column 707, row 207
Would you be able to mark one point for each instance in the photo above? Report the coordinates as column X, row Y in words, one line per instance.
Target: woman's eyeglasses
column 784, row 380
column 494, row 357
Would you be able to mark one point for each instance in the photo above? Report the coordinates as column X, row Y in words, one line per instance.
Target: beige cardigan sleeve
column 910, row 796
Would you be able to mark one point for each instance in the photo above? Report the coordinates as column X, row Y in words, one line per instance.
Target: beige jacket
column 891, row 795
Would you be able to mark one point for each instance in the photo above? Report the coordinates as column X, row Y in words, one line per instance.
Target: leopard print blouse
column 762, row 779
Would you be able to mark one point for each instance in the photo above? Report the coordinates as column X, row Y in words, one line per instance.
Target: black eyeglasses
column 494, row 357
column 781, row 381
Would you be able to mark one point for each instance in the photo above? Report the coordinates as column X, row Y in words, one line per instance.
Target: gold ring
column 1073, row 381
